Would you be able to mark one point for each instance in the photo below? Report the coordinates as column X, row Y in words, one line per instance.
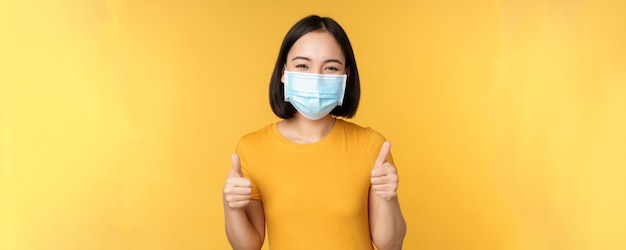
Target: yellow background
column 118, row 118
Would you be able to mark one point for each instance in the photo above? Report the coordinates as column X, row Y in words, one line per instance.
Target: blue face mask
column 314, row 95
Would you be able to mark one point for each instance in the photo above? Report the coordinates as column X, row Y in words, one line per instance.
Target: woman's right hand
column 237, row 190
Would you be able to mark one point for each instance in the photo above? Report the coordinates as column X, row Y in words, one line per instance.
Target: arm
column 387, row 224
column 245, row 219
column 245, row 227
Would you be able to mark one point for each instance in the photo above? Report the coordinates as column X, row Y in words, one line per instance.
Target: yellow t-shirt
column 315, row 196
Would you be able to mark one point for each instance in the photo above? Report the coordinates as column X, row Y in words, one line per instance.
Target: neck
column 304, row 131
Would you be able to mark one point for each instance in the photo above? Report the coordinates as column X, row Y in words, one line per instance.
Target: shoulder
column 367, row 133
column 367, row 138
column 255, row 138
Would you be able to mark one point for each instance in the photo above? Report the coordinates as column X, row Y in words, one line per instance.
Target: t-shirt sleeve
column 375, row 143
column 245, row 168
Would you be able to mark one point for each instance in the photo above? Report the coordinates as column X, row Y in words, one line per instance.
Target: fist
column 384, row 175
column 237, row 190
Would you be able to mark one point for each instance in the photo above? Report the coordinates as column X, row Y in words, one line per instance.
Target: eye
column 302, row 66
column 331, row 68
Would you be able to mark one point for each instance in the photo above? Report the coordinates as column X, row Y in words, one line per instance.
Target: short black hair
column 352, row 95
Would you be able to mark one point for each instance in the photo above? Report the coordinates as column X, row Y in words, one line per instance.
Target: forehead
column 316, row 45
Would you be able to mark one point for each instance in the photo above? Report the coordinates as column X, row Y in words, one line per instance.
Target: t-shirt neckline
column 308, row 146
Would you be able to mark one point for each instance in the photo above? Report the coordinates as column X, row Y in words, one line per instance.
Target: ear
column 282, row 75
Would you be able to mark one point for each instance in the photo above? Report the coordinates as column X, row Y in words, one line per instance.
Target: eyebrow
column 308, row 59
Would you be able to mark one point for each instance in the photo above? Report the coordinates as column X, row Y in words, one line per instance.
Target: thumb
column 236, row 165
column 382, row 156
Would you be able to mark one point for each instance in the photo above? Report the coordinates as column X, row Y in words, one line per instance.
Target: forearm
column 240, row 231
column 387, row 225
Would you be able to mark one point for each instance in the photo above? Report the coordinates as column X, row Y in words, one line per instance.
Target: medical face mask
column 314, row 95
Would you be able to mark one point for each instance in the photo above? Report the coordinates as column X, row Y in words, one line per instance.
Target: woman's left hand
column 384, row 175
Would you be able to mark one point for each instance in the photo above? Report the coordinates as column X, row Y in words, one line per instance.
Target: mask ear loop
column 283, row 79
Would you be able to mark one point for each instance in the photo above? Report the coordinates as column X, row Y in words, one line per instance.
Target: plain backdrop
column 118, row 118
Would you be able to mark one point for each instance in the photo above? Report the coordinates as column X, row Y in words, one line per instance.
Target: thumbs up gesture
column 237, row 190
column 384, row 176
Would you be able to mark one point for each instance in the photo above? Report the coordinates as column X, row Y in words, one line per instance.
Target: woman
column 318, row 181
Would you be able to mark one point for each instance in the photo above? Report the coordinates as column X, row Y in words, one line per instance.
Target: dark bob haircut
column 352, row 95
